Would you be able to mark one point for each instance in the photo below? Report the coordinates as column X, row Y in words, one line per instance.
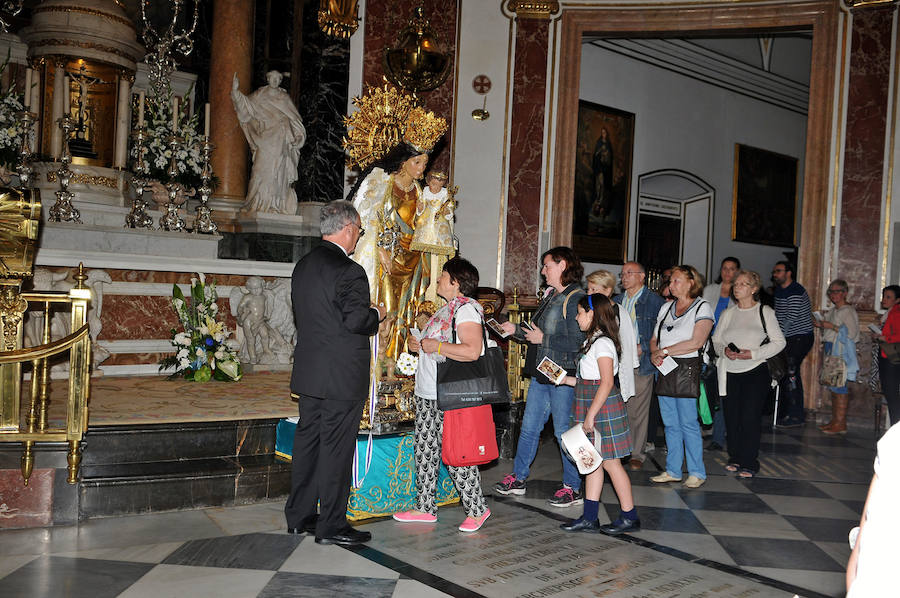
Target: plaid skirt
column 612, row 438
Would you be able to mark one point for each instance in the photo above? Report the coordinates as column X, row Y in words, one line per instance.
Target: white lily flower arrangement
column 203, row 349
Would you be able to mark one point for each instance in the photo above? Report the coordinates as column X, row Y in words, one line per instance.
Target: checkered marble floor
column 779, row 534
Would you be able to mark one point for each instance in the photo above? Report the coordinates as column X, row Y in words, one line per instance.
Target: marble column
column 123, row 121
column 523, row 212
column 231, row 53
column 861, row 192
column 56, row 112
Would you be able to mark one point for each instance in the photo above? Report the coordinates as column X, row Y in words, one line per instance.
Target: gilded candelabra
column 24, row 168
column 63, row 210
column 171, row 220
column 138, row 217
column 203, row 222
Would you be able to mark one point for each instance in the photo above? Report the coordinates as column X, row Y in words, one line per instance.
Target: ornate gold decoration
column 418, row 62
column 86, row 11
column 339, row 18
column 529, row 9
column 12, row 306
column 853, row 4
column 385, row 118
column 85, row 46
column 84, row 179
column 19, row 216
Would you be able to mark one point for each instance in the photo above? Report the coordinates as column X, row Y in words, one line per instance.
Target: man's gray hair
column 336, row 215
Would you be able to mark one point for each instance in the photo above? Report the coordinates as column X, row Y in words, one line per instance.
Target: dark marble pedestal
column 265, row 247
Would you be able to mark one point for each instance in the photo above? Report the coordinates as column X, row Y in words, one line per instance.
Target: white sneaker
column 694, row 482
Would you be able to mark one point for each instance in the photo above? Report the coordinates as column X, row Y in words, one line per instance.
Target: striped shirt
column 793, row 309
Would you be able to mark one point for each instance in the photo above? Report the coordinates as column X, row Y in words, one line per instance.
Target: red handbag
column 469, row 436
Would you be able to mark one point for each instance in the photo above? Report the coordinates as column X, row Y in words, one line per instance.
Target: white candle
column 28, row 80
column 175, row 114
column 141, row 108
column 206, row 121
column 66, row 106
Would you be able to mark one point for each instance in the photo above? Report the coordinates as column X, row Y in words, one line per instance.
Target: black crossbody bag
column 778, row 362
column 472, row 383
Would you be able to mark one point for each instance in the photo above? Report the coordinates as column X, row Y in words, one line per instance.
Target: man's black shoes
column 309, row 527
column 348, row 537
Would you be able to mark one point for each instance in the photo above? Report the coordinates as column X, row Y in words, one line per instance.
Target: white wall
column 479, row 149
column 690, row 125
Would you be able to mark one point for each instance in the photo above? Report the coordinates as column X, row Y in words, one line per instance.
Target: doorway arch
column 676, row 205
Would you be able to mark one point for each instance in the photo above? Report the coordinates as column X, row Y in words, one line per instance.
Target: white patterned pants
column 427, row 448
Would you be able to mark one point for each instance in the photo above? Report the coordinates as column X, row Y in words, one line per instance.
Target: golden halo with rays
column 385, row 118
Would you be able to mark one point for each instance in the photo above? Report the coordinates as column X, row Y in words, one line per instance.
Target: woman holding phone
column 746, row 336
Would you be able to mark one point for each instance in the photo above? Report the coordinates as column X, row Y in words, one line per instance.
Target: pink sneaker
column 415, row 517
column 473, row 525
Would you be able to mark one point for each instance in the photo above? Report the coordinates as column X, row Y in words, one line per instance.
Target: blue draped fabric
column 390, row 484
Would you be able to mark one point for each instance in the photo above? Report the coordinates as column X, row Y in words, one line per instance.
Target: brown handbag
column 683, row 382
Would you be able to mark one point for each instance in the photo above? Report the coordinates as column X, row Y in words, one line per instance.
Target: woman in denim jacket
column 555, row 334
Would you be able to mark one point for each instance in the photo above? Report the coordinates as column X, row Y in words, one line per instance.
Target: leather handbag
column 892, row 352
column 683, row 382
column 778, row 362
column 472, row 383
column 469, row 437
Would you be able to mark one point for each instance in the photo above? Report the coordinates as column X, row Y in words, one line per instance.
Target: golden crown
column 385, row 118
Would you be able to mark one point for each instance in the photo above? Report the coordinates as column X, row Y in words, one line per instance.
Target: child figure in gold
column 434, row 221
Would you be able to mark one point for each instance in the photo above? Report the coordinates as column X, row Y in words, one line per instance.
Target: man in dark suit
column 334, row 321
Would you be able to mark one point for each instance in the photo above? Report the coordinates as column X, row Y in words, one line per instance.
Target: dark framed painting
column 605, row 142
column 765, row 197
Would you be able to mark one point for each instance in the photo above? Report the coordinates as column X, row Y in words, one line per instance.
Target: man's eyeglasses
column 362, row 231
column 631, row 273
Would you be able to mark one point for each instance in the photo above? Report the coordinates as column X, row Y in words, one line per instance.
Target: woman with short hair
column 457, row 284
column 682, row 328
column 840, row 326
column 746, row 336
column 553, row 333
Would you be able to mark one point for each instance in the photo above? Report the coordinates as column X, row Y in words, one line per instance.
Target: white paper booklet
column 667, row 365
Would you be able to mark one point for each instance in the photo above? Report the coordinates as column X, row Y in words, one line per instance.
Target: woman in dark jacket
column 553, row 333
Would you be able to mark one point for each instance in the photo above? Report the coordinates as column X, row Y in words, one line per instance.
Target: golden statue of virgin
column 388, row 198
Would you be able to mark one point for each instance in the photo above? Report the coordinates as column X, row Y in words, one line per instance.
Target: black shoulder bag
column 472, row 383
column 684, row 381
column 778, row 362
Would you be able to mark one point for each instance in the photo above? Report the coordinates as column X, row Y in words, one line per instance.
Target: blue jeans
column 682, row 436
column 543, row 401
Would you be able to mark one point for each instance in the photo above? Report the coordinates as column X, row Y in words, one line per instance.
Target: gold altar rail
column 13, row 306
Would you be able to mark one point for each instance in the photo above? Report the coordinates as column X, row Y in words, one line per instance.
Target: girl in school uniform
column 599, row 406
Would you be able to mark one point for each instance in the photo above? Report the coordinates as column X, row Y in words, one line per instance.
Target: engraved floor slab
column 520, row 554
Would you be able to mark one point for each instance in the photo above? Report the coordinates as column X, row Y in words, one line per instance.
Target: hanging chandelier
column 419, row 61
